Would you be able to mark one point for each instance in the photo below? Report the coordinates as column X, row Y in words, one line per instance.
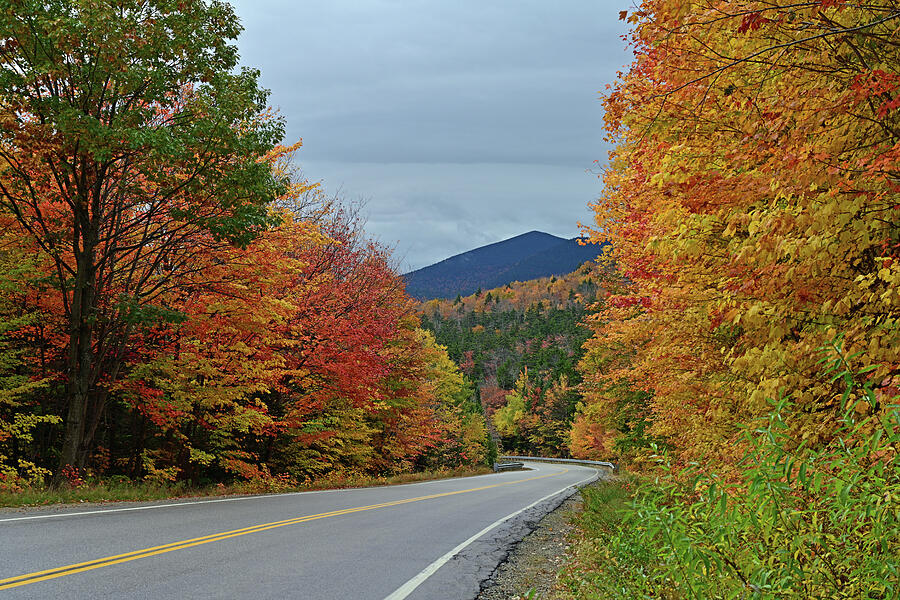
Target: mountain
column 528, row 256
column 522, row 342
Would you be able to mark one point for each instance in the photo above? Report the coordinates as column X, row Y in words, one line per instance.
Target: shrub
column 802, row 522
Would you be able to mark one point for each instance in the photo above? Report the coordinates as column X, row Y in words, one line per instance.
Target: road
column 437, row 539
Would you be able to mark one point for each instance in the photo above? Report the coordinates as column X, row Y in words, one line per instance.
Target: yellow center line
column 19, row 580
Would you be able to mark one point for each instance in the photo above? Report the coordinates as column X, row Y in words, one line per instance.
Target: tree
column 128, row 143
column 19, row 416
column 752, row 208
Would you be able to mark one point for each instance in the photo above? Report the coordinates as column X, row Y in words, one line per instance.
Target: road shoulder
column 532, row 566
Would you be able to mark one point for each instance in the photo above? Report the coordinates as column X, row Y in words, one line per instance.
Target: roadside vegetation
column 800, row 521
column 746, row 362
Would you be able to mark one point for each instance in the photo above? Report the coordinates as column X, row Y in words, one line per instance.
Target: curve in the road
column 410, row 586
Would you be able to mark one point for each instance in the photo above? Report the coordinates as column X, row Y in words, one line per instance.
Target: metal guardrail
column 507, row 466
column 596, row 463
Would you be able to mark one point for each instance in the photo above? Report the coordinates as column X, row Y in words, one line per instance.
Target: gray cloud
column 430, row 211
column 462, row 122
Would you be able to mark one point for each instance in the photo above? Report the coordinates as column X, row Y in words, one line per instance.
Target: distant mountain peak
column 520, row 258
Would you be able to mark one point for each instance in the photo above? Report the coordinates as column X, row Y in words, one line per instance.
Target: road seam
column 407, row 588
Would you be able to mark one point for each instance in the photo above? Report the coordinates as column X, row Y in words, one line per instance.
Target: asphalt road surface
column 437, row 539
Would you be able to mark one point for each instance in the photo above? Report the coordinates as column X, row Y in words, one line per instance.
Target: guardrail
column 508, row 466
column 596, row 463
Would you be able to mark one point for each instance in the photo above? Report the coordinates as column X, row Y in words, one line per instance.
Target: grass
column 121, row 489
column 598, row 570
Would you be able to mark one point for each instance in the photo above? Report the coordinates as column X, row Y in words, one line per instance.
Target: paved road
column 436, row 539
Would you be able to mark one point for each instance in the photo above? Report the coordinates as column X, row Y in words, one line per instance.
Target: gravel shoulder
column 532, row 568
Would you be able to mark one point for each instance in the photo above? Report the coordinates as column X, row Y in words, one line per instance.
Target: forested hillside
column 521, row 344
column 176, row 301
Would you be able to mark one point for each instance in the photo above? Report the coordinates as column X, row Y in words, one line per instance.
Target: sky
column 458, row 123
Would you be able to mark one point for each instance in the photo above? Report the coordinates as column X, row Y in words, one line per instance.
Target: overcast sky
column 459, row 122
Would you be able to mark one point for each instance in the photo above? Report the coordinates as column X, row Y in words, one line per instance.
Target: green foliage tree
column 129, row 140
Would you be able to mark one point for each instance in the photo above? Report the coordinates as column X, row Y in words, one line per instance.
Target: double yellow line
column 28, row 578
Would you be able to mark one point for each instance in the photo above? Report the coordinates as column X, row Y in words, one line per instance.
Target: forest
column 177, row 301
column 746, row 360
column 521, row 345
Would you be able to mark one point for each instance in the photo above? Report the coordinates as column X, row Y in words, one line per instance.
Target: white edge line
column 232, row 499
column 407, row 588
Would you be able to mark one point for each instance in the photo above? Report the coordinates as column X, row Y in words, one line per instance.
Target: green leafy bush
column 802, row 522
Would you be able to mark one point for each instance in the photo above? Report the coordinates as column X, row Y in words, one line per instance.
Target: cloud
column 430, row 211
column 462, row 122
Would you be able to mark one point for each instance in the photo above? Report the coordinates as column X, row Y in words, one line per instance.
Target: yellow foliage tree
column 752, row 204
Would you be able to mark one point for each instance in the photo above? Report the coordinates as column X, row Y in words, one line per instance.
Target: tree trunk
column 80, row 362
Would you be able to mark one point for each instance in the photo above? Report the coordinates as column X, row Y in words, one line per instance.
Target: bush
column 802, row 522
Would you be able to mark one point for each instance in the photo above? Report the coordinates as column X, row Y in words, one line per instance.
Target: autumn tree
column 458, row 420
column 20, row 415
column 129, row 143
column 752, row 207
